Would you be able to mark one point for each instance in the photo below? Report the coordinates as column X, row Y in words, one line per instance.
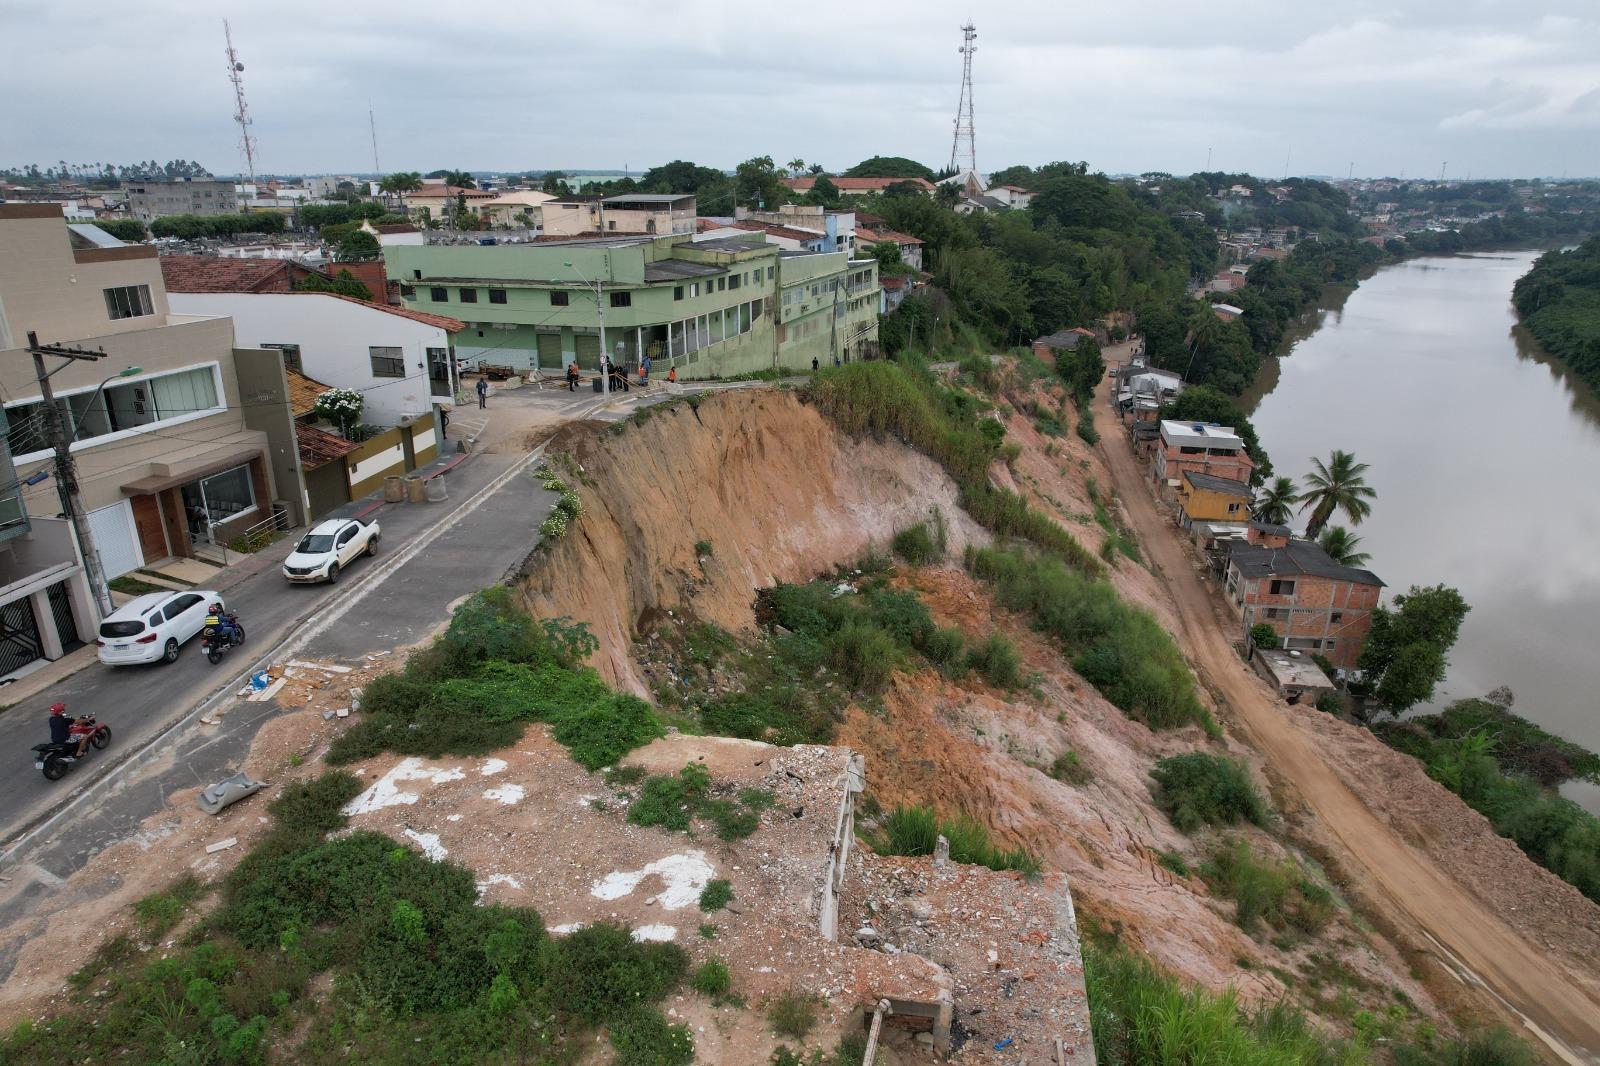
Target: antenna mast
column 372, row 124
column 965, row 126
column 242, row 115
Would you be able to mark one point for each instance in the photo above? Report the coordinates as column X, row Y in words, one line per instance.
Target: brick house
column 1315, row 604
column 1203, row 447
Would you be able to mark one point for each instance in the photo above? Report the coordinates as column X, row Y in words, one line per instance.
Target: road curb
column 336, row 608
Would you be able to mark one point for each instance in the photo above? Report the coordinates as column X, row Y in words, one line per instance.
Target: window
column 1234, row 508
column 291, row 355
column 439, row 294
column 622, row 299
column 227, row 494
column 734, row 281
column 1337, row 617
column 1282, row 588
column 722, row 283
column 1274, row 614
column 694, row 289
column 677, row 292
column 408, row 291
column 129, row 301
column 469, row 296
column 387, row 362
column 558, row 298
column 769, row 273
column 497, row 296
column 1191, row 451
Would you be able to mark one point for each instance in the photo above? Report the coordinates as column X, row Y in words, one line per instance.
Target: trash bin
column 415, row 492
column 597, row 385
column 435, row 489
column 394, row 489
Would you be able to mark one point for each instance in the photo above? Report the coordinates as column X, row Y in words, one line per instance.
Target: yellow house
column 1208, row 498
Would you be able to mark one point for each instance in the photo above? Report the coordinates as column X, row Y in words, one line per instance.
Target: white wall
column 333, row 335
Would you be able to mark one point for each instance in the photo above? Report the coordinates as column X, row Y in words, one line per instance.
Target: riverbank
column 1559, row 301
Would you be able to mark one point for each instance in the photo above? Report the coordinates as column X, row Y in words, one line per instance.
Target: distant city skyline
column 1395, row 89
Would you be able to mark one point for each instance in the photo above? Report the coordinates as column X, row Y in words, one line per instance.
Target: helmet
column 216, row 608
column 58, row 708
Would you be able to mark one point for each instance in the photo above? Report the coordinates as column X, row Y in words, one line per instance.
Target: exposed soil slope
column 1542, row 964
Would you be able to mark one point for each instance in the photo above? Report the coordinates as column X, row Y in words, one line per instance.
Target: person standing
column 572, row 376
column 813, row 364
column 483, row 392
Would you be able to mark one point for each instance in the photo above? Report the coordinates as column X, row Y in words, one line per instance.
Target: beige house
column 435, row 200
column 508, row 208
column 171, row 457
column 632, row 213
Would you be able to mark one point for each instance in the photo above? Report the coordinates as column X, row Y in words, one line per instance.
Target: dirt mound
column 759, row 478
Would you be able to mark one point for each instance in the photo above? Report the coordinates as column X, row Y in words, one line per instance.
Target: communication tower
column 965, row 145
column 241, row 113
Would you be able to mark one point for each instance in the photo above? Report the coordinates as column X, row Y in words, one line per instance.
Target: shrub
column 716, row 895
column 1263, row 635
column 1279, row 894
column 916, row 831
column 671, row 802
column 711, row 978
column 865, row 655
column 997, row 660
column 1119, row 649
column 601, row 733
column 915, row 545
column 1197, row 788
column 599, row 972
column 702, row 548
column 943, row 646
column 643, row 1037
column 1069, row 769
column 1172, row 862
column 1330, row 702
column 1085, row 429
column 793, row 1014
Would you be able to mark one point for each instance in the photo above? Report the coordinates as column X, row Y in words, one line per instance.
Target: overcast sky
column 1494, row 87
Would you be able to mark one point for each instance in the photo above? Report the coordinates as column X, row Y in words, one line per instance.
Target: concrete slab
column 194, row 571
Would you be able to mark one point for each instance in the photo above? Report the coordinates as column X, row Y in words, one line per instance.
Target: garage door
column 588, row 351
column 549, row 351
column 116, row 539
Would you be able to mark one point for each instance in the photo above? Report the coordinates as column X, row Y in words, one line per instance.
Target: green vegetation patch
column 916, row 830
column 677, row 801
column 1196, row 789
column 1119, row 649
column 1279, row 895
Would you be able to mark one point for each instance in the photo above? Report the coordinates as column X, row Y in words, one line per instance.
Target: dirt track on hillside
column 1560, row 1007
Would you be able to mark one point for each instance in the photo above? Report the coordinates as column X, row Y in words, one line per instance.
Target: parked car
column 153, row 626
column 330, row 547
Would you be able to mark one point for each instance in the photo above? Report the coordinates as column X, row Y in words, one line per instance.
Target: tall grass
column 915, row 830
column 889, row 399
column 1197, row 788
column 1119, row 649
column 1279, row 894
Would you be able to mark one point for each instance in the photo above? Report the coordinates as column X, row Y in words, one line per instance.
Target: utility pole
column 372, row 124
column 66, row 471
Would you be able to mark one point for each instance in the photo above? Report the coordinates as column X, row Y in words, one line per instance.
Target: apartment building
column 169, row 456
column 1201, row 447
column 632, row 213
column 710, row 308
column 149, row 200
column 1315, row 604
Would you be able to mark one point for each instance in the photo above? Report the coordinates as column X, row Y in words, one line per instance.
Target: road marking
column 336, row 608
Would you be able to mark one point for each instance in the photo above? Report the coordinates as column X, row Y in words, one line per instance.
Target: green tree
column 681, row 176
column 889, row 166
column 947, row 196
column 1337, row 485
column 887, row 253
column 824, row 193
column 1341, row 544
column 1276, row 504
column 796, row 167
column 124, row 229
column 555, row 183
column 358, row 247
column 758, row 184
column 342, row 284
column 460, row 179
column 399, row 183
column 1406, row 650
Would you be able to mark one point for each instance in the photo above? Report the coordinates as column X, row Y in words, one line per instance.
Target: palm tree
column 1338, row 486
column 460, row 179
column 399, row 183
column 947, row 196
column 1276, row 504
column 797, row 167
column 1340, row 544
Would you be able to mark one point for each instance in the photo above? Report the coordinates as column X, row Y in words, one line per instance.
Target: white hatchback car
column 329, row 547
column 153, row 627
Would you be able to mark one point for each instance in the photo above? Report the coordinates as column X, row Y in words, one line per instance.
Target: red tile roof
column 857, row 184
column 317, row 447
column 303, row 392
column 444, row 322
column 879, row 235
column 397, row 227
column 775, row 230
column 213, row 273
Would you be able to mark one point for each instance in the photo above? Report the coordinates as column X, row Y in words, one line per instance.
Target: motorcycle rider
column 64, row 729
column 225, row 624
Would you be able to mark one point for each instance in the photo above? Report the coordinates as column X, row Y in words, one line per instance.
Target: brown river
column 1483, row 453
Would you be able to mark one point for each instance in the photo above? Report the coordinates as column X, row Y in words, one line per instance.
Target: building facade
column 1208, row 498
column 149, row 200
column 1315, row 604
column 1201, row 447
column 709, row 308
column 166, row 458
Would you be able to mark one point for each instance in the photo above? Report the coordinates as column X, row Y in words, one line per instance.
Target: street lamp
column 600, row 310
column 125, row 372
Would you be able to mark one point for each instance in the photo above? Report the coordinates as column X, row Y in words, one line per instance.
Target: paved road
column 1561, row 1009
column 138, row 702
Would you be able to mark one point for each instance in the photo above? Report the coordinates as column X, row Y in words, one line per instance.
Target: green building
column 711, row 308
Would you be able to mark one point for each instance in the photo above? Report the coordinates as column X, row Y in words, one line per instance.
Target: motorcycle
column 215, row 643
column 56, row 759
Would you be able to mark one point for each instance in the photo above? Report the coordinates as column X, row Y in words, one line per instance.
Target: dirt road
column 1551, row 1002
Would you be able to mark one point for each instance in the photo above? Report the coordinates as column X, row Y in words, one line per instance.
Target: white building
column 398, row 359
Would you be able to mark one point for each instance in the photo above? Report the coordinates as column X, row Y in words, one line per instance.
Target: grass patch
column 1173, row 863
column 702, row 548
column 1196, row 789
column 997, row 661
column 1119, row 649
column 916, row 831
column 1118, row 536
column 916, row 545
column 715, row 896
column 793, row 1014
column 1069, row 769
column 132, row 586
column 476, row 688
column 711, row 978
column 1277, row 894
column 677, row 801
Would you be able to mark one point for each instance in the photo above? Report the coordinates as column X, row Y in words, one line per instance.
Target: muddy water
column 1482, row 452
